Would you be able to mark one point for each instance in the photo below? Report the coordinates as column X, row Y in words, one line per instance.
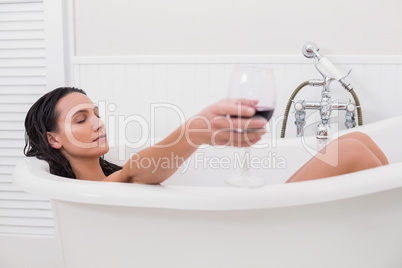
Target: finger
column 249, row 143
column 248, row 123
column 238, row 107
column 248, row 102
column 224, row 122
column 251, row 136
column 238, row 139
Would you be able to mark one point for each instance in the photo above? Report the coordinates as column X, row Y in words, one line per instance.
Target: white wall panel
column 134, row 85
column 160, row 94
column 398, row 95
column 132, row 99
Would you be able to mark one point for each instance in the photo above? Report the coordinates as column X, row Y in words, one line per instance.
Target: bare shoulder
column 117, row 176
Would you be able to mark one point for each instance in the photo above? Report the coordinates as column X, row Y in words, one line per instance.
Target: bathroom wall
column 154, row 51
column 239, row 27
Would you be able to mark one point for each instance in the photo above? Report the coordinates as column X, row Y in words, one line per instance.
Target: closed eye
column 81, row 119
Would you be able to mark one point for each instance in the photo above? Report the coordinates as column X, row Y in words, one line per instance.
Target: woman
column 63, row 128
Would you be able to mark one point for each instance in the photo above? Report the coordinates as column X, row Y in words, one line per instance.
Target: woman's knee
column 358, row 135
column 351, row 146
column 369, row 143
column 361, row 137
column 357, row 155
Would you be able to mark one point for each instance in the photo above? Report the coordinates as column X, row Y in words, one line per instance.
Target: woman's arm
column 155, row 164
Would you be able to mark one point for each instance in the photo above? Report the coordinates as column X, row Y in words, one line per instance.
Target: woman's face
column 80, row 132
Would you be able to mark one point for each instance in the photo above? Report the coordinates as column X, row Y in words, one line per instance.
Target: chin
column 98, row 151
column 104, row 150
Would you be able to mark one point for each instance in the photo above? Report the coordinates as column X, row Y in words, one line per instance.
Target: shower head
column 310, row 50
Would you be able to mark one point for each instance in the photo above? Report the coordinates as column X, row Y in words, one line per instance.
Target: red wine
column 265, row 112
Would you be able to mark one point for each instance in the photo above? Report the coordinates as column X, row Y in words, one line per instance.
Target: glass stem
column 246, row 166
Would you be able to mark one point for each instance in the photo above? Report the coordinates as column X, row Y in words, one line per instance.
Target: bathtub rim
column 202, row 197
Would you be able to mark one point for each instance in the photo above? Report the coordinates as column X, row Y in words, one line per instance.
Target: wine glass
column 251, row 82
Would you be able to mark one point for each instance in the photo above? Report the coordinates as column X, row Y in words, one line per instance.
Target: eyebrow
column 84, row 111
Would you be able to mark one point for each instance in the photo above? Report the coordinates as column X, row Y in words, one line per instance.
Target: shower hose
column 306, row 83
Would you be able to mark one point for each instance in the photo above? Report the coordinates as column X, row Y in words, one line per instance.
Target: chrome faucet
column 325, row 105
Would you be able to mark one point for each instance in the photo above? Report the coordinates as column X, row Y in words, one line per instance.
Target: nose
column 98, row 123
column 101, row 124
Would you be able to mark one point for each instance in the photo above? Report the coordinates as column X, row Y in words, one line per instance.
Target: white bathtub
column 195, row 220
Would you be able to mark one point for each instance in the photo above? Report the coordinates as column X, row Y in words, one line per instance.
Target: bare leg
column 364, row 138
column 358, row 152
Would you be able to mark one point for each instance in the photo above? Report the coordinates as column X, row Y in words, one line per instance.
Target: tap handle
column 300, row 117
column 350, row 120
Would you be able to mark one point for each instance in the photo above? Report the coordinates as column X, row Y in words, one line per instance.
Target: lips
column 100, row 137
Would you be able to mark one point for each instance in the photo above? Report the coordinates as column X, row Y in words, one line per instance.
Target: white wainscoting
column 191, row 83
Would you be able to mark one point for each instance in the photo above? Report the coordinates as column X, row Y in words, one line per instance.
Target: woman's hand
column 227, row 122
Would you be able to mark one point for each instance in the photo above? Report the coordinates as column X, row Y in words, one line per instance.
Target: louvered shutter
column 22, row 81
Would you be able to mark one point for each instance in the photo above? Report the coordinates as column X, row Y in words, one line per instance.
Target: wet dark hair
column 42, row 118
